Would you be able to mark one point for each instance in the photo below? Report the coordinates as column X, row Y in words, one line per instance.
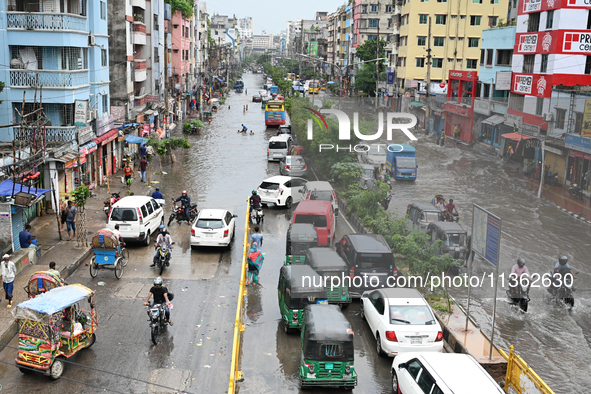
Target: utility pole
column 377, row 57
column 428, row 88
column 166, row 82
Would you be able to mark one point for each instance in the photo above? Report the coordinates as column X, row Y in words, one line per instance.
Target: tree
column 365, row 80
column 80, row 195
column 167, row 146
column 367, row 51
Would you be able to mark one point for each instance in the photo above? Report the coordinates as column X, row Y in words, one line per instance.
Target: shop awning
column 516, row 136
column 6, row 189
column 494, row 120
column 416, row 104
column 107, row 137
column 134, row 139
column 128, row 125
column 65, row 158
column 88, row 148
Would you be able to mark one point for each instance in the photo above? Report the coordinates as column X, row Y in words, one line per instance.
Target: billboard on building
column 313, row 49
column 586, row 129
column 503, row 80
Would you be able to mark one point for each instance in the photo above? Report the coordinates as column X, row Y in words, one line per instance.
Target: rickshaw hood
column 51, row 302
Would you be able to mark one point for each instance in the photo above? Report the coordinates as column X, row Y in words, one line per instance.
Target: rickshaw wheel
column 93, row 267
column 118, row 268
column 91, row 341
column 57, row 368
column 125, row 256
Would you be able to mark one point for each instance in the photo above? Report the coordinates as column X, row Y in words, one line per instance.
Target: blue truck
column 274, row 90
column 401, row 162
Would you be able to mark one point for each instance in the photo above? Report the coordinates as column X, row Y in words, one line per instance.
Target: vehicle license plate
column 209, row 235
column 416, row 341
column 406, row 176
column 277, row 155
column 329, row 366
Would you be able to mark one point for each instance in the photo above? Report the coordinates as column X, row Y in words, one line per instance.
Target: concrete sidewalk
column 581, row 209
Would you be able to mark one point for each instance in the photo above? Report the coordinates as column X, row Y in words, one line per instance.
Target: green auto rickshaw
column 327, row 349
column 299, row 285
column 328, row 264
column 300, row 238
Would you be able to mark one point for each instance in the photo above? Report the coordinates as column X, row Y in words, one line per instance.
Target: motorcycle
column 576, row 191
column 550, row 178
column 163, row 258
column 562, row 287
column 451, row 217
column 385, row 203
column 157, row 316
column 257, row 215
column 179, row 214
column 109, row 203
column 518, row 292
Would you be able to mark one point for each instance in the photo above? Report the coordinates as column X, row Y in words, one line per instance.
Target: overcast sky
column 269, row 15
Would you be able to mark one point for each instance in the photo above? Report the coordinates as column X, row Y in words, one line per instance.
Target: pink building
column 181, row 52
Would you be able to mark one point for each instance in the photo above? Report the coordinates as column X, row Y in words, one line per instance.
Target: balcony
column 139, row 27
column 53, row 134
column 140, row 101
column 49, row 78
column 139, row 64
column 141, row 75
column 46, row 21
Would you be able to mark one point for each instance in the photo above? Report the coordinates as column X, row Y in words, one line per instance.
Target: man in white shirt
column 8, row 275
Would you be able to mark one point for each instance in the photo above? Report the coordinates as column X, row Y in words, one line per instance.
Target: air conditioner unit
column 93, row 114
column 91, row 41
column 548, row 117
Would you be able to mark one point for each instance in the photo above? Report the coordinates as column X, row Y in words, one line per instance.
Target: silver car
column 375, row 155
column 293, row 166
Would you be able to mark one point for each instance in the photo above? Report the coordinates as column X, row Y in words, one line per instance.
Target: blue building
column 56, row 53
column 494, row 83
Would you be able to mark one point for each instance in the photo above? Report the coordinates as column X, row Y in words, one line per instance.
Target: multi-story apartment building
column 456, row 32
column 59, row 51
column 202, row 34
column 245, row 27
column 136, row 54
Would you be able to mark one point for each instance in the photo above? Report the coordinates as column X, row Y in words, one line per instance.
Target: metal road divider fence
column 521, row 378
column 235, row 373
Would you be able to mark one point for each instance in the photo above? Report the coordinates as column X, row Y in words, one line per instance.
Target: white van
column 440, row 373
column 138, row 218
column 279, row 147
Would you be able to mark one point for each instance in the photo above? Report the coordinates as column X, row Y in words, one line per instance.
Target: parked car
column 279, row 147
column 213, row 227
column 321, row 215
column 440, row 373
column 256, row 98
column 367, row 255
column 421, row 214
column 281, row 190
column 401, row 321
column 263, row 93
column 375, row 155
column 293, row 166
column 320, row 190
column 138, row 218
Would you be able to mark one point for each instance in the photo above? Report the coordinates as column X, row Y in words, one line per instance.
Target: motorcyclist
column 157, row 195
column 186, row 204
column 255, row 200
column 160, row 294
column 520, row 269
column 163, row 240
column 562, row 268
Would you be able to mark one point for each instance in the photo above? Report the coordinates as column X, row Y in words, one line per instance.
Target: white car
column 320, row 190
column 401, row 321
column 213, row 227
column 375, row 155
column 138, row 218
column 441, row 373
column 281, row 190
column 263, row 93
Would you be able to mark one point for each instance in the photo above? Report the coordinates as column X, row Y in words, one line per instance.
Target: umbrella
column 213, row 100
column 331, row 83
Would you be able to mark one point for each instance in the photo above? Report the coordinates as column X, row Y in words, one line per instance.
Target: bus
column 313, row 87
column 275, row 113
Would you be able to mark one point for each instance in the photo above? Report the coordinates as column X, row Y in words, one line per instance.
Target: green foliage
column 346, row 173
column 188, row 126
column 80, row 195
column 288, row 106
column 222, row 100
column 186, row 7
column 165, row 146
column 368, row 51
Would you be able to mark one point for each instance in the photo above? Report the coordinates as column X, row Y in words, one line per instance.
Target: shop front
column 107, row 154
column 460, row 104
column 579, row 158
column 88, row 164
column 417, row 109
column 555, row 157
column 491, row 130
column 521, row 149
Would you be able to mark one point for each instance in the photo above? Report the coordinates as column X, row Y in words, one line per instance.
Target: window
column 578, row 123
column 544, row 65
column 105, row 99
column 423, row 19
column 426, row 382
column 440, row 19
column 420, row 62
column 155, row 25
column 533, row 23
column 459, row 61
column 388, row 8
column 528, row 63
column 504, row 57
column 373, row 37
column 103, row 57
column 492, row 21
column 471, row 63
column 494, row 1
column 516, row 102
column 549, row 19
column 364, row 9
column 442, row 1
column 450, row 60
column 424, row 1
column 560, row 117
column 373, row 8
column 421, row 41
column 103, row 10
column 438, row 41
column 589, row 20
column 437, row 63
column 150, row 208
column 389, row 23
column 489, row 57
column 373, row 23
column 475, row 20
column 476, row 1
column 413, row 368
column 588, row 65
column 482, row 54
column 473, row 42
column 539, row 105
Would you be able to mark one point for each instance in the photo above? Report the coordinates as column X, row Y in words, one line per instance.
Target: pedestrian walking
column 71, row 220
column 255, row 263
column 63, row 209
column 256, row 237
column 8, row 275
column 128, row 173
column 247, row 107
column 244, row 109
column 143, row 169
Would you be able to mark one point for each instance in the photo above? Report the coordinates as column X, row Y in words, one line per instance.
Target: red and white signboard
column 532, row 5
column 522, row 83
column 528, row 43
column 532, row 84
column 576, row 42
column 545, row 5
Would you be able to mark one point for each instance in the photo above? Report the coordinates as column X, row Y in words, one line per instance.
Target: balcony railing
column 139, row 64
column 49, row 78
column 46, row 21
column 139, row 27
column 53, row 134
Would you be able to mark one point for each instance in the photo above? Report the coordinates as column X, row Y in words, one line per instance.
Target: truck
column 401, row 162
column 274, row 90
